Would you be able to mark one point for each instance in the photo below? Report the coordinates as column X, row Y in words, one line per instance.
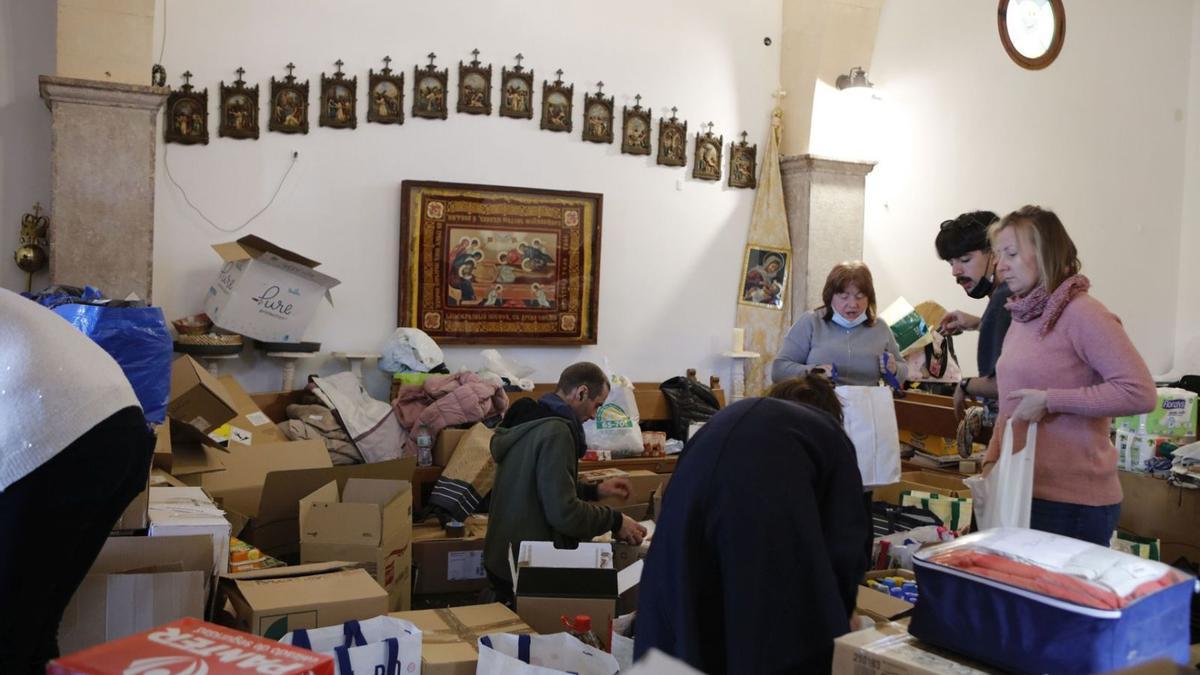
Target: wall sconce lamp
column 856, row 78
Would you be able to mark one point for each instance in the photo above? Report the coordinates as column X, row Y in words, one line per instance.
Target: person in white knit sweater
column 74, row 451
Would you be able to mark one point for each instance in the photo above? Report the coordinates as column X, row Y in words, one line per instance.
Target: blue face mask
column 847, row 323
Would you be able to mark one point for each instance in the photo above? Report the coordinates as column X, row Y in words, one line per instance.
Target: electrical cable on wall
column 167, row 166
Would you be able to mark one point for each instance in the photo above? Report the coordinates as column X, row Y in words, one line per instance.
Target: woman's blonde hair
column 1057, row 257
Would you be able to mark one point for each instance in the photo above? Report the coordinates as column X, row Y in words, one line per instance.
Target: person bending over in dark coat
column 757, row 554
column 537, row 495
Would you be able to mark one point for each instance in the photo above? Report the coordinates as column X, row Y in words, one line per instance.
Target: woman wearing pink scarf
column 1068, row 365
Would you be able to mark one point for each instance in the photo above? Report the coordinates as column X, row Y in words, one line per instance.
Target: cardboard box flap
column 254, row 246
column 326, row 494
column 123, row 555
column 346, row 524
column 291, row 571
column 254, row 476
column 372, row 491
column 881, row 606
column 186, row 434
column 192, row 459
column 282, row 491
column 309, row 590
column 561, row 582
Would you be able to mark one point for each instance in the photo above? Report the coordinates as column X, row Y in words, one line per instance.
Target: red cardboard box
column 193, row 646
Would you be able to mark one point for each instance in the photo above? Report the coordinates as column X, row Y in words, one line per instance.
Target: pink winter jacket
column 447, row 400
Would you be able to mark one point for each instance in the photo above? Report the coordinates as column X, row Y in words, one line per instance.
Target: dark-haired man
column 963, row 242
column 537, row 495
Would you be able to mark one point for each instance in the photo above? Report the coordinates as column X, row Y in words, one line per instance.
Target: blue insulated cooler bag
column 1024, row 631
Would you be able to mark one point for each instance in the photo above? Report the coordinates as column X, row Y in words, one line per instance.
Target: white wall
column 1187, row 330
column 26, row 51
column 672, row 247
column 1098, row 137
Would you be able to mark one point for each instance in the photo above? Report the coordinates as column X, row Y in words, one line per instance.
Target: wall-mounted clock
column 1032, row 31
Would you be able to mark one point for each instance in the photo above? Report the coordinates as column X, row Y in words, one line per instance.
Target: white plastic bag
column 870, row 421
column 383, row 645
column 504, row 654
column 509, row 369
column 409, row 349
column 1004, row 498
column 617, row 425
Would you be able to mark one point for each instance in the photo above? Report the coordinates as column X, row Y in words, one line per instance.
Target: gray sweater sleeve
column 792, row 359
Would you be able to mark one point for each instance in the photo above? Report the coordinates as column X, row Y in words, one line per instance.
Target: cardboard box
column 265, row 483
column 449, row 636
column 645, row 483
column 181, row 511
column 881, row 606
column 273, row 602
column 1155, row 509
column 443, row 564
column 196, row 397
column 923, row 481
column 265, row 291
column 251, row 426
column 195, row 647
column 368, row 521
column 888, row 649
column 137, row 583
column 552, row 583
column 446, row 444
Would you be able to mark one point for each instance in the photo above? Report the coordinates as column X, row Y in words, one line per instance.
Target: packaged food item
column 244, row 557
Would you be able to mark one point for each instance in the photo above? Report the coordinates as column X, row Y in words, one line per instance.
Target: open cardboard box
column 449, row 636
column 135, row 584
column 265, row 483
column 197, row 398
column 251, row 426
column 275, row 601
column 265, row 291
column 368, row 521
column 881, row 606
column 551, row 583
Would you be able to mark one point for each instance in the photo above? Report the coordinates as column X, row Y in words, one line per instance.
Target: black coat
column 758, row 551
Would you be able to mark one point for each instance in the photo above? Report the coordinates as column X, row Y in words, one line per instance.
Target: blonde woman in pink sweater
column 1068, row 365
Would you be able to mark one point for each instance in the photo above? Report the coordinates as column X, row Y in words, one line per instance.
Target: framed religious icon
column 557, row 100
column 764, row 276
column 484, row 264
column 187, row 115
column 598, row 116
column 289, row 104
column 516, row 91
column 635, row 128
column 339, row 98
column 743, row 164
column 706, row 163
column 429, row 90
column 474, row 87
column 385, row 103
column 239, row 109
column 672, row 141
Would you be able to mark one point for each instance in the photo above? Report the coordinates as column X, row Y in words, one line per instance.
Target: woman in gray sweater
column 842, row 334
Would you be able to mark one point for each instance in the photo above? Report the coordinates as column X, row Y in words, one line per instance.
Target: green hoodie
column 536, row 493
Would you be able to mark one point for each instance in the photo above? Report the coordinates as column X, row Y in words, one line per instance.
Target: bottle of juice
column 581, row 628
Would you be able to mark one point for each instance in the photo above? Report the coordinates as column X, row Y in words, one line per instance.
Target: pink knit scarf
column 1039, row 302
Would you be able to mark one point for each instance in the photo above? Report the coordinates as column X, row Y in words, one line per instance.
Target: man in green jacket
column 537, row 495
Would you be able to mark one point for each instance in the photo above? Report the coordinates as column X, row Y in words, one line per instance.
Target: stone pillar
column 102, row 183
column 824, row 199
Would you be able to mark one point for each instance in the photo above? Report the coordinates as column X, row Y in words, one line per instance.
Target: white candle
column 739, row 340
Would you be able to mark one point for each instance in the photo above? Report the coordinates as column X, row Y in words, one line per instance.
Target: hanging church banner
column 483, row 264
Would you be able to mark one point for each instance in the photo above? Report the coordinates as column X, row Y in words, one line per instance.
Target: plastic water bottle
column 424, row 446
column 581, row 628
